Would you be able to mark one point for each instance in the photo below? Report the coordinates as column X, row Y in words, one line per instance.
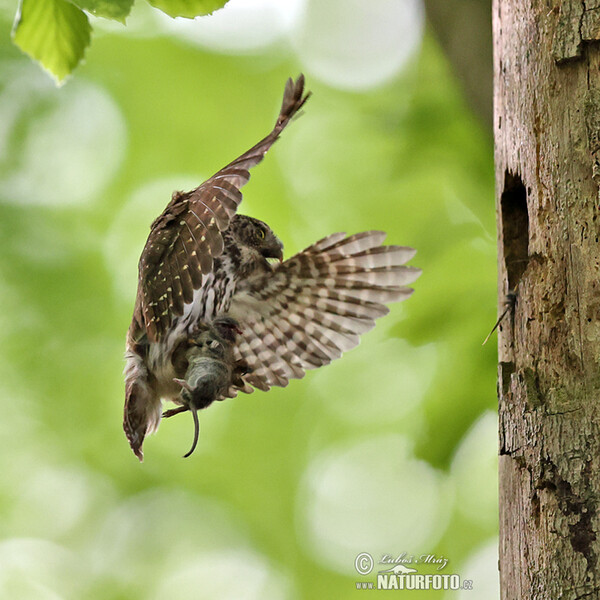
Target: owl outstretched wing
column 187, row 236
column 314, row 306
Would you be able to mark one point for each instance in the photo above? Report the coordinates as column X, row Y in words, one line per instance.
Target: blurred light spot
column 229, row 575
column 241, row 26
column 337, row 177
column 482, row 569
column 458, row 212
column 159, row 529
column 52, row 502
column 58, row 249
column 57, row 146
column 17, row 314
column 130, row 228
column 372, row 496
column 32, row 569
column 142, row 22
column 475, row 472
column 484, row 246
column 356, row 45
column 386, row 386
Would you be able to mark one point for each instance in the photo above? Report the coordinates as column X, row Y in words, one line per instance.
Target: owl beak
column 274, row 252
column 279, row 251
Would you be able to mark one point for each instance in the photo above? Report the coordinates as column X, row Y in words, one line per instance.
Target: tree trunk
column 547, row 132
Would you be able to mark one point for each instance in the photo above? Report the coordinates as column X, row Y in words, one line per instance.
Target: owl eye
column 260, row 234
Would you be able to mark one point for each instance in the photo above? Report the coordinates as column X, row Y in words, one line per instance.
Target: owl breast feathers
column 207, row 271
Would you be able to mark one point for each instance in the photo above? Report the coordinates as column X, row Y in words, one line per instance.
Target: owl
column 218, row 311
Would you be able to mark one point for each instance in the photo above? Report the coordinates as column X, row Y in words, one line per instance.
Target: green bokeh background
column 246, row 516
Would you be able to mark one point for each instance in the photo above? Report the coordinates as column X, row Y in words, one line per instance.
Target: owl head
column 256, row 237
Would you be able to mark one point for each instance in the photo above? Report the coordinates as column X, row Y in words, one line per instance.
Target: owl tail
column 141, row 416
column 142, row 411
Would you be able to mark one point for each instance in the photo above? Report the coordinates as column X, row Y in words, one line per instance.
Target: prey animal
column 210, row 368
column 207, row 274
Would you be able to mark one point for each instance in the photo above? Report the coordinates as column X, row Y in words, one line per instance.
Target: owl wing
column 314, row 306
column 187, row 236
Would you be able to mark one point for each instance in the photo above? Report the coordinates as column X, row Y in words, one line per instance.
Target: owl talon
column 175, row 411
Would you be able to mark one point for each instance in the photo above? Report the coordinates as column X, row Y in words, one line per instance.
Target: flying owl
column 210, row 276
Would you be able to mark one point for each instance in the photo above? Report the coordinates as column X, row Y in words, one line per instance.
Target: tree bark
column 547, row 150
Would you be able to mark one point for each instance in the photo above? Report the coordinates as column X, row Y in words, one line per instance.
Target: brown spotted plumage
column 203, row 262
column 187, row 237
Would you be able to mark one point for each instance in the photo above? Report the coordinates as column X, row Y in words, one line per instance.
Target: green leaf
column 117, row 10
column 53, row 32
column 188, row 8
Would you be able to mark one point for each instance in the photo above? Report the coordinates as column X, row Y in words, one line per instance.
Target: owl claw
column 175, row 411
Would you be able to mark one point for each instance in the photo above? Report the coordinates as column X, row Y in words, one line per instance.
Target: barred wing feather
column 314, row 306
